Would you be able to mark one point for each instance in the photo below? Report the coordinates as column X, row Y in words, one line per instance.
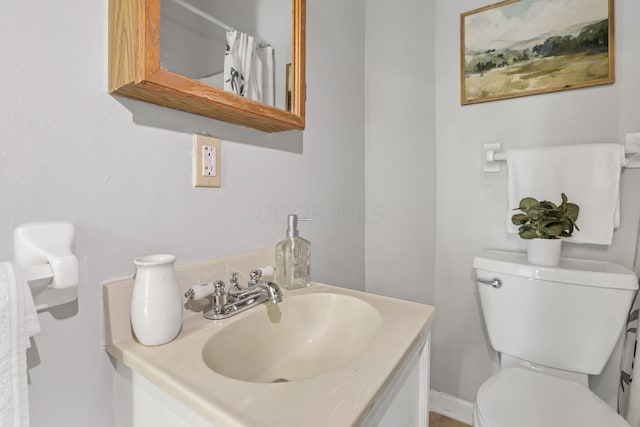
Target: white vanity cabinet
column 142, row 404
column 324, row 356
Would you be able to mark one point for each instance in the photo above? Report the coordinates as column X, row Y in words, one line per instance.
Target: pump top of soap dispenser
column 292, row 226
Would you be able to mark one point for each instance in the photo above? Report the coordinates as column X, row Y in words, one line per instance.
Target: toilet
column 552, row 327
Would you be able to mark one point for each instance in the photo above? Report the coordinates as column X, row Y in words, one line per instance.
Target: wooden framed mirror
column 135, row 71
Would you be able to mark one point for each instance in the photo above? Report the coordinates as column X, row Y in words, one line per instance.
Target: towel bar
column 42, row 251
column 493, row 154
column 37, row 272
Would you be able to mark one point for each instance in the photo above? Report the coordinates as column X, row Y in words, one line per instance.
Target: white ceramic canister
column 544, row 251
column 156, row 303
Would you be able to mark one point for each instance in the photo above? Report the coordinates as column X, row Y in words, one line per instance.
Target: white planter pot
column 544, row 251
column 156, row 302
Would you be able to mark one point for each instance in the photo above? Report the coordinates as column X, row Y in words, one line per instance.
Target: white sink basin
column 305, row 336
column 341, row 351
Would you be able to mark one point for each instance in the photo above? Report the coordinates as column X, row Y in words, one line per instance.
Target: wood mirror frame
column 135, row 72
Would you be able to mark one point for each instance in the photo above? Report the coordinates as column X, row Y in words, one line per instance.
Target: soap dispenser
column 293, row 258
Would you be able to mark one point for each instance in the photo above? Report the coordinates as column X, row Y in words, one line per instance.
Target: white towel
column 589, row 174
column 18, row 322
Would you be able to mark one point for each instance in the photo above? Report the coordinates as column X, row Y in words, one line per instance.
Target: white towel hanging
column 18, row 322
column 589, row 174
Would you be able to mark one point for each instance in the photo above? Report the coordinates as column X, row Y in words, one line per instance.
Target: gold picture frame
column 526, row 47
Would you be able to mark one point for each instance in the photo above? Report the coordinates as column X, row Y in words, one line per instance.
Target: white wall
column 69, row 151
column 471, row 205
column 400, row 151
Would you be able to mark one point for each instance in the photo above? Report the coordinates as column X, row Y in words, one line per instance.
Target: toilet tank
column 566, row 317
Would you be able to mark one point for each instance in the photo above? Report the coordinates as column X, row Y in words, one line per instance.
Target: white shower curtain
column 249, row 68
column 629, row 393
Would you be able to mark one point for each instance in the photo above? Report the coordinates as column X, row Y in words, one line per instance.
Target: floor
column 438, row 420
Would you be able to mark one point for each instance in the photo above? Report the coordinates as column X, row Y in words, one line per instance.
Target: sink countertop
column 342, row 397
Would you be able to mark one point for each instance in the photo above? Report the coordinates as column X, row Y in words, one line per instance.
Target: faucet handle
column 254, row 277
column 268, row 270
column 234, row 281
column 204, row 290
column 201, row 290
column 219, row 297
column 219, row 287
column 258, row 273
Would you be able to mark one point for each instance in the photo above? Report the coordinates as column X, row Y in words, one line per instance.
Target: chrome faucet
column 273, row 291
column 239, row 298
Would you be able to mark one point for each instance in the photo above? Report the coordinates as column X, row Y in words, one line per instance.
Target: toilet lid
column 517, row 397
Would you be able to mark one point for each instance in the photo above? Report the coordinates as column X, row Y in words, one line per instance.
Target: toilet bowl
column 552, row 326
column 517, row 397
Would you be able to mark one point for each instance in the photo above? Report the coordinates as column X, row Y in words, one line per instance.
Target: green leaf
column 527, row 203
column 519, row 219
column 528, row 234
column 550, row 219
column 567, row 226
column 534, row 213
column 548, row 205
column 573, row 211
column 554, row 214
column 552, row 229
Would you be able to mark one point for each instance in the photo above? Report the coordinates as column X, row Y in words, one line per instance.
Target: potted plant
column 544, row 224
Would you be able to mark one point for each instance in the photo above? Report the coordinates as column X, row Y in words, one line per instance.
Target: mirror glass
column 241, row 46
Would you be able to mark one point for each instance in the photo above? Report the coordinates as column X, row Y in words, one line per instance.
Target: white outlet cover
column 206, row 161
column 209, row 156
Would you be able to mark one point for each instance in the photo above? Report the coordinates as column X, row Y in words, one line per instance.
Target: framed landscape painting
column 526, row 47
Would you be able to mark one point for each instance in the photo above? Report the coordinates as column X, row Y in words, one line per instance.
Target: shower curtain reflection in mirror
column 249, row 68
column 234, row 46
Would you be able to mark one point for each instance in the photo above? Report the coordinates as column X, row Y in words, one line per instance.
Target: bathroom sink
column 303, row 337
column 343, row 354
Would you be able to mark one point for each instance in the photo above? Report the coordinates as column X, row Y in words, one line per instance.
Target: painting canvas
column 525, row 47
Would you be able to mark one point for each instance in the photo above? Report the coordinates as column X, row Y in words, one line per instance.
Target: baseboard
column 451, row 406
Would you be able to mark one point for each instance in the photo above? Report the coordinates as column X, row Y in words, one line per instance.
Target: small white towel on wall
column 18, row 322
column 589, row 174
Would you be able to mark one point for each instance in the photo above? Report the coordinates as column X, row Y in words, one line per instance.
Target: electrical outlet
column 206, row 161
